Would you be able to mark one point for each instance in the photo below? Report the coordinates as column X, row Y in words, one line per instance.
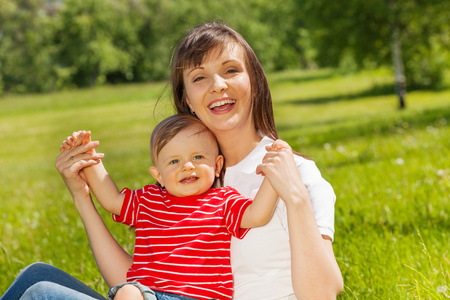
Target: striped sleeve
column 129, row 211
column 235, row 206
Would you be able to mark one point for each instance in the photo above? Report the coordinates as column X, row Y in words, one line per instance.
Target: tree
column 26, row 52
column 379, row 32
column 53, row 44
column 95, row 38
column 396, row 48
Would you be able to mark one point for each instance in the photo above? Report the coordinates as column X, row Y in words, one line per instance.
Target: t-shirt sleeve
column 129, row 211
column 235, row 206
column 322, row 197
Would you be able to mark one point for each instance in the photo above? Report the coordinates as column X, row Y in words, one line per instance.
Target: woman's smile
column 222, row 105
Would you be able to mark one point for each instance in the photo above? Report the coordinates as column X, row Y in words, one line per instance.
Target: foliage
column 26, row 51
column 390, row 171
column 95, row 38
column 48, row 45
column 363, row 31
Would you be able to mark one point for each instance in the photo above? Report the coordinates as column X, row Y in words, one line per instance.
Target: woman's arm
column 315, row 272
column 263, row 206
column 112, row 261
column 98, row 179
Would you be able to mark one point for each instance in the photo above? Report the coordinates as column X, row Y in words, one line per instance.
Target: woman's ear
column 157, row 175
column 219, row 165
column 188, row 102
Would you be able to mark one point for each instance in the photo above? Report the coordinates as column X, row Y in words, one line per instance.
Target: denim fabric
column 145, row 290
column 46, row 290
column 148, row 293
column 170, row 296
column 40, row 281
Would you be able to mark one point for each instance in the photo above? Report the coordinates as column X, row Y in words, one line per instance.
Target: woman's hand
column 72, row 161
column 279, row 166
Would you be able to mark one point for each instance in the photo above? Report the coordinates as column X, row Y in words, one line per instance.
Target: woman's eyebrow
column 193, row 69
column 223, row 63
column 229, row 61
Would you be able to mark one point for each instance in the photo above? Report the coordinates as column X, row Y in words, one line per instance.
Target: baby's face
column 189, row 163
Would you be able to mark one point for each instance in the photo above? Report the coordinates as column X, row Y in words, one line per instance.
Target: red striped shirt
column 183, row 243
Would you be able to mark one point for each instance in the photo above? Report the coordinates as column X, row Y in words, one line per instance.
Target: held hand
column 278, row 145
column 275, row 146
column 77, row 138
column 70, row 164
column 279, row 167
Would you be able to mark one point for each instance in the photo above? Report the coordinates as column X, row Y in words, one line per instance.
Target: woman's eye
column 232, row 70
column 172, row 162
column 198, row 78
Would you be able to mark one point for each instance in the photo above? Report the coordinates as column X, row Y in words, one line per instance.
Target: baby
column 184, row 223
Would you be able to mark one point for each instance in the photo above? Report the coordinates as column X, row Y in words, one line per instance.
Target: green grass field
column 390, row 170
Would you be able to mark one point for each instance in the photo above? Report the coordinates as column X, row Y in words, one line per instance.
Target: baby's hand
column 272, row 156
column 76, row 139
column 278, row 145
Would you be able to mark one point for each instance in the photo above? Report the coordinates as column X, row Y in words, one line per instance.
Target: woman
column 217, row 77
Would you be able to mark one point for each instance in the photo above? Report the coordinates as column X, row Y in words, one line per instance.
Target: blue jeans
column 40, row 281
column 147, row 293
column 170, row 296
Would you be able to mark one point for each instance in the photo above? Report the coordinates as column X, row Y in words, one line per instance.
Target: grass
column 390, row 170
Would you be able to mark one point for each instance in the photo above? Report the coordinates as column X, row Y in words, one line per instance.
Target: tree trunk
column 397, row 60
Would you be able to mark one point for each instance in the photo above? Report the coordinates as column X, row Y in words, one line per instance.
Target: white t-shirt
column 261, row 262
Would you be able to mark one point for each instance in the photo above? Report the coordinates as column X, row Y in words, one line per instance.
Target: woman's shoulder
column 308, row 169
column 304, row 161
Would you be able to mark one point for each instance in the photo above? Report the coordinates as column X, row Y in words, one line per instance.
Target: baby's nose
column 188, row 166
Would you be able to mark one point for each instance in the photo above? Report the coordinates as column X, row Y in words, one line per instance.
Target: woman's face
column 219, row 90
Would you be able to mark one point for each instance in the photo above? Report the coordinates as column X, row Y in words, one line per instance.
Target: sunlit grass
column 390, row 170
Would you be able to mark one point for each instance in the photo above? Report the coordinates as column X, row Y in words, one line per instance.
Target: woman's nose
column 218, row 84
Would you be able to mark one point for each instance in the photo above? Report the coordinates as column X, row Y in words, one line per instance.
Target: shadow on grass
column 375, row 91
column 302, row 77
column 387, row 225
column 368, row 127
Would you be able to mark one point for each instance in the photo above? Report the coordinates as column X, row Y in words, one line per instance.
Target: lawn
column 390, row 170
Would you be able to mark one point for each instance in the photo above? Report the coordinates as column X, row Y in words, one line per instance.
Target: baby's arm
column 261, row 210
column 101, row 184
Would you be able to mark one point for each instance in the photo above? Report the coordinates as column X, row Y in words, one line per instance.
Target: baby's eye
column 174, row 161
column 198, row 157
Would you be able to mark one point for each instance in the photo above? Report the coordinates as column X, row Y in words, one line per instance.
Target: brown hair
column 168, row 128
column 193, row 49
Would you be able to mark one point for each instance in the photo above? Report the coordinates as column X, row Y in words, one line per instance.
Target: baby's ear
column 219, row 165
column 157, row 175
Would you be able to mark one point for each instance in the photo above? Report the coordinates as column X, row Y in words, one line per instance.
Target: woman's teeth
column 221, row 103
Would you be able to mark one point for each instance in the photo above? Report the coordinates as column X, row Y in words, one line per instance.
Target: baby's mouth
column 189, row 179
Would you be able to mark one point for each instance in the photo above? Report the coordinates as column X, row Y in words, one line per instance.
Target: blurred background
column 49, row 45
